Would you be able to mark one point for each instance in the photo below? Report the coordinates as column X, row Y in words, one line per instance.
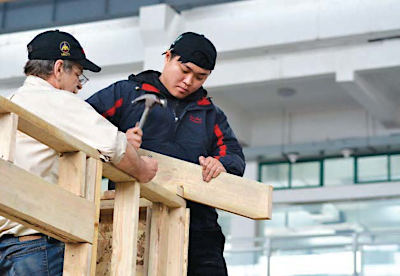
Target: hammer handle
column 144, row 117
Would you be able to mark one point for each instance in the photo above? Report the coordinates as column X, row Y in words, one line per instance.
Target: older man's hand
column 134, row 136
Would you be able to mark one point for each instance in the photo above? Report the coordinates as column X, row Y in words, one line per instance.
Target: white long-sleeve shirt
column 69, row 113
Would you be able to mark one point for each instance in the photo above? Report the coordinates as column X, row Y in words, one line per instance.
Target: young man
column 54, row 75
column 191, row 128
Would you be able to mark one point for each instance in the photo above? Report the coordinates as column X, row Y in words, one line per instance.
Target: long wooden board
column 227, row 192
column 48, row 209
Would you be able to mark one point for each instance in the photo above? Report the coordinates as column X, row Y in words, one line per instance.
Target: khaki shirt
column 71, row 114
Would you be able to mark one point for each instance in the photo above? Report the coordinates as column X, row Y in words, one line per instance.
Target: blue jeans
column 41, row 257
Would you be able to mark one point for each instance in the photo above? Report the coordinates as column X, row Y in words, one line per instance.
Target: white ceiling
column 313, row 94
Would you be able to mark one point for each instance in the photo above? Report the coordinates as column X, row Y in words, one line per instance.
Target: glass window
column 276, row 175
column 305, row 174
column 372, row 168
column 338, row 171
column 395, row 167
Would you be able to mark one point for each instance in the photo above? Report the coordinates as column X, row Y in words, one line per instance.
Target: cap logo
column 176, row 40
column 64, row 48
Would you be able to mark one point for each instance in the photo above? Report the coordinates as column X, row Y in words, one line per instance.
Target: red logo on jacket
column 196, row 120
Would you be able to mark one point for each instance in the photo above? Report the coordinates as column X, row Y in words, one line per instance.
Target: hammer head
column 151, row 100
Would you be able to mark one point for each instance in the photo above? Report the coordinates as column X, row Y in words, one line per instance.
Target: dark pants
column 41, row 257
column 206, row 254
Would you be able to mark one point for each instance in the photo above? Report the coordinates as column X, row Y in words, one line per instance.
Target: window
column 395, row 167
column 276, row 175
column 339, row 171
column 305, row 174
column 372, row 168
column 331, row 171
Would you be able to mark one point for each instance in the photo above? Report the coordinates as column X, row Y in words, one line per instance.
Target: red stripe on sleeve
column 220, row 142
column 112, row 110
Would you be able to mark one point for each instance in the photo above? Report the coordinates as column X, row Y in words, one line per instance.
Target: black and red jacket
column 186, row 129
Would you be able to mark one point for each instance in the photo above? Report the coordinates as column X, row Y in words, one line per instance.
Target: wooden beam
column 72, row 176
column 176, row 241
column 8, row 126
column 227, row 192
column 125, row 229
column 70, row 218
column 107, row 205
column 147, row 231
column 93, row 193
column 151, row 191
column 158, row 248
column 72, row 172
column 186, row 244
column 156, row 193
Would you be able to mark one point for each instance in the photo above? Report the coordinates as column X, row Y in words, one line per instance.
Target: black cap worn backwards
column 195, row 48
column 53, row 45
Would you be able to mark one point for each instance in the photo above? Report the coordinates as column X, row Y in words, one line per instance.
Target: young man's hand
column 211, row 167
column 134, row 136
column 148, row 170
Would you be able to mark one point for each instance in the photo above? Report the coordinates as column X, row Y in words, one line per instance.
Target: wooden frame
column 75, row 202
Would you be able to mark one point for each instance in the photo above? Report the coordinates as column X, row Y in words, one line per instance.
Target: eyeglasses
column 83, row 79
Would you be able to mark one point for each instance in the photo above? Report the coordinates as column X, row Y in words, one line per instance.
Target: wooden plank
column 227, row 192
column 72, row 172
column 158, row 249
column 70, row 218
column 151, row 191
column 8, row 131
column 110, row 195
column 186, row 243
column 107, row 205
column 93, row 193
column 176, row 241
column 147, row 241
column 125, row 229
column 159, row 194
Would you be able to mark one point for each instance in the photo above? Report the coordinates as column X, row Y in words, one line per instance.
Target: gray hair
column 44, row 68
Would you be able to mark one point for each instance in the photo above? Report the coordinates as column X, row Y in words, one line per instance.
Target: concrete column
column 159, row 26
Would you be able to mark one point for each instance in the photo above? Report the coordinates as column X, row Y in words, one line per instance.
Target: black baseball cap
column 195, row 48
column 53, row 45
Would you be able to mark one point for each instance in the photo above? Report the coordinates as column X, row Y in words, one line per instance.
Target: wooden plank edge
column 16, row 182
column 262, row 214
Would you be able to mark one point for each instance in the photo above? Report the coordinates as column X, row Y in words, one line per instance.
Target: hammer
column 150, row 101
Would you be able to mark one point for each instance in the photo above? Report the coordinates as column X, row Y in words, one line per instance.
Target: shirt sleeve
column 226, row 147
column 99, row 133
column 76, row 117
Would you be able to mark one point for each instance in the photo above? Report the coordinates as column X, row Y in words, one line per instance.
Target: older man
column 54, row 76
